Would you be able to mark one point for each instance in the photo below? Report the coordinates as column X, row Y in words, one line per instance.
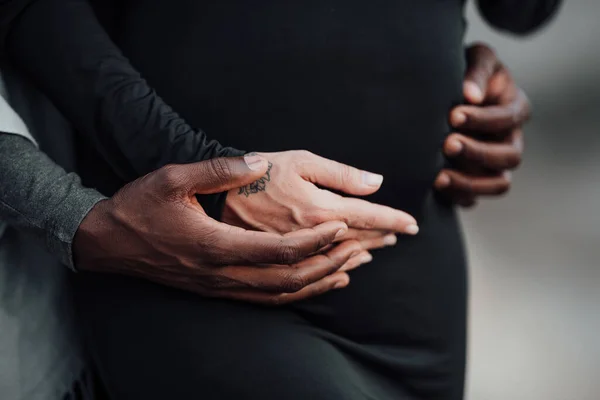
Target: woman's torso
column 365, row 83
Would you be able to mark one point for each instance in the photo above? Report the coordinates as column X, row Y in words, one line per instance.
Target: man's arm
column 61, row 46
column 38, row 196
column 171, row 241
column 518, row 16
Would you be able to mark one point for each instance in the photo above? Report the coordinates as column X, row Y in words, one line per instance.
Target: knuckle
column 345, row 174
column 354, row 247
column 369, row 221
column 293, row 282
column 484, row 49
column 288, row 253
column 303, row 154
column 170, row 176
column 220, row 169
column 314, row 217
column 483, row 58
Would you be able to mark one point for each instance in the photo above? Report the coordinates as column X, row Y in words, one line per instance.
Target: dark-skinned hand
column 155, row 229
column 487, row 142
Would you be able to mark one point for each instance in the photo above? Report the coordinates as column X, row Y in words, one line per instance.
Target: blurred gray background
column 535, row 255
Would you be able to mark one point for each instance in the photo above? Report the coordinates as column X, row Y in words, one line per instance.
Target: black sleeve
column 9, row 10
column 63, row 49
column 518, row 16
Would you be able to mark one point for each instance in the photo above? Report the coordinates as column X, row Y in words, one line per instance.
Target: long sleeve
column 38, row 196
column 63, row 48
column 518, row 16
column 9, row 11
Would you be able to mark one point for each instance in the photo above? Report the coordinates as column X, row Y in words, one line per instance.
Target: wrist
column 90, row 241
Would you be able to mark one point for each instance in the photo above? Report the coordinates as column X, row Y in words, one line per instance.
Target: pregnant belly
column 382, row 124
column 366, row 85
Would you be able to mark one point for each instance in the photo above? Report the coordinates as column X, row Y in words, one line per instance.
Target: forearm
column 64, row 50
column 38, row 196
column 518, row 16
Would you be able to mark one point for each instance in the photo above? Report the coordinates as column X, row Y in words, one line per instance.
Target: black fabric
column 518, row 16
column 397, row 340
column 366, row 83
column 369, row 86
column 61, row 46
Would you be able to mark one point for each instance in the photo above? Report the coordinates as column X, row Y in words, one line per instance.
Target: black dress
column 369, row 84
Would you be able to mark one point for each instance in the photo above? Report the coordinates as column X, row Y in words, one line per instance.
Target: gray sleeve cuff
column 66, row 218
column 39, row 197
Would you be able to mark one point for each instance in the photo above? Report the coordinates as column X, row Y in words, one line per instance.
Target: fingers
column 362, row 214
column 500, row 105
column 334, row 175
column 484, row 154
column 482, row 64
column 364, row 257
column 379, row 242
column 291, row 279
column 371, row 239
column 451, row 180
column 494, row 120
column 213, row 176
column 229, row 245
column 338, row 280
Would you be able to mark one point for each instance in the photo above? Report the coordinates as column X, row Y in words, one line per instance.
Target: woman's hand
column 293, row 195
column 489, row 138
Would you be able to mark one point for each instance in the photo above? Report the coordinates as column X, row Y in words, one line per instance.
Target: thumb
column 222, row 174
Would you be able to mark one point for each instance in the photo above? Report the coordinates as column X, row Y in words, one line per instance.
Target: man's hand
column 292, row 195
column 155, row 229
column 489, row 138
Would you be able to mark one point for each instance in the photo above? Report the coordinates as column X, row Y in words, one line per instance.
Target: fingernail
column 454, row 147
column 371, row 179
column 458, row 118
column 411, row 229
column 254, row 162
column 340, row 284
column 473, row 92
column 340, row 234
column 367, row 258
column 390, row 240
